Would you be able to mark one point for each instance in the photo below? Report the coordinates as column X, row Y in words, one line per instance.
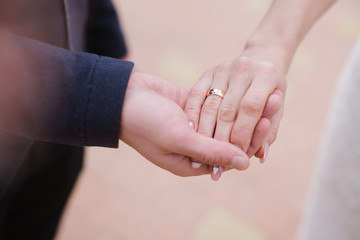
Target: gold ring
column 215, row 91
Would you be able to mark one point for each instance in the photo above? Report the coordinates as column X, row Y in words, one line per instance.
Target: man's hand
column 154, row 123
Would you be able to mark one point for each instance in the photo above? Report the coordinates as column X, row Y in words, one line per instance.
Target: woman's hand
column 251, row 79
column 250, row 82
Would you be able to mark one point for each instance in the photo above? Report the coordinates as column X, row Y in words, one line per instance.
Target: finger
column 181, row 166
column 210, row 108
column 216, row 173
column 263, row 152
column 260, row 154
column 271, row 136
column 194, row 164
column 250, row 111
column 196, row 98
column 259, row 136
column 209, row 151
column 273, row 104
column 240, row 78
column 208, row 115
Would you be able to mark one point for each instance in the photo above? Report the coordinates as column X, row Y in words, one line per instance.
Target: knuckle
column 223, row 67
column 192, row 111
column 197, row 93
column 238, row 133
column 252, row 107
column 211, row 105
column 204, row 132
column 269, row 69
column 242, row 64
column 228, row 113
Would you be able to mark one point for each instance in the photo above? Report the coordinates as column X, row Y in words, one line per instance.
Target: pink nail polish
column 266, row 152
column 196, row 164
column 216, row 173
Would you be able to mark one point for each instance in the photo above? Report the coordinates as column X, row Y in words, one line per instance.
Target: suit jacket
column 51, row 91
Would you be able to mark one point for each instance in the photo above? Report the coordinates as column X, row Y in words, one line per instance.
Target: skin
column 250, row 79
column 160, row 131
column 273, row 105
column 164, row 135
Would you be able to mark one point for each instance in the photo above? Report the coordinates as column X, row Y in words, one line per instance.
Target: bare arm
column 252, row 77
column 284, row 26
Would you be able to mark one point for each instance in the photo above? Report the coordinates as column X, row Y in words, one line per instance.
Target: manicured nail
column 191, row 124
column 195, row 164
column 266, row 152
column 216, row 173
column 240, row 163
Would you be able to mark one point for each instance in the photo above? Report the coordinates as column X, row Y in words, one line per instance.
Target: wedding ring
column 215, row 91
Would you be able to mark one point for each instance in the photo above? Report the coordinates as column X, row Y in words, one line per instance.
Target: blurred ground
column 120, row 195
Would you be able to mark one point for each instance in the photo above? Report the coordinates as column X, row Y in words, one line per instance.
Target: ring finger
column 211, row 105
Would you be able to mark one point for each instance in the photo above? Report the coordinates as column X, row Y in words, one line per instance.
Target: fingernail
column 195, row 164
column 216, row 173
column 240, row 163
column 191, row 124
column 266, row 152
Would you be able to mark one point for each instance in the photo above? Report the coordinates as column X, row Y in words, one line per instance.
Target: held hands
column 154, row 123
column 222, row 132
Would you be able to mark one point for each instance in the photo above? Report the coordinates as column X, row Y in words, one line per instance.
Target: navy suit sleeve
column 103, row 32
column 52, row 94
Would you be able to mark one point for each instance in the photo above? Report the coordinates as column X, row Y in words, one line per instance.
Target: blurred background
column 121, row 195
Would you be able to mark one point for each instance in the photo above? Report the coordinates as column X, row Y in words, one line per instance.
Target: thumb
column 211, row 151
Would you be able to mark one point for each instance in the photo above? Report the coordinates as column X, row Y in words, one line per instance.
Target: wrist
column 275, row 49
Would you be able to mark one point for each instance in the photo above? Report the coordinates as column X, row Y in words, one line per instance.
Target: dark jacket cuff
column 106, row 96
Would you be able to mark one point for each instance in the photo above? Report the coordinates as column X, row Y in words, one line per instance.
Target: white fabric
column 333, row 208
